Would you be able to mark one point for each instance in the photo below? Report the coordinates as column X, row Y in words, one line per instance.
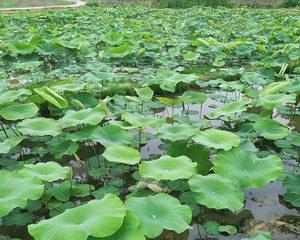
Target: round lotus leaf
column 16, row 189
column 176, row 132
column 85, row 116
column 49, row 171
column 112, row 135
column 97, row 218
column 192, row 97
column 122, row 154
column 246, row 169
column 270, row 102
column 129, row 230
column 19, row 111
column 40, row 127
column 145, row 93
column 219, row 139
column 10, row 143
column 230, row 109
column 217, row 192
column 158, row 212
column 168, row 168
column 270, row 129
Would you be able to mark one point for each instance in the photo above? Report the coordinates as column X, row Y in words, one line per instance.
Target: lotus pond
column 131, row 123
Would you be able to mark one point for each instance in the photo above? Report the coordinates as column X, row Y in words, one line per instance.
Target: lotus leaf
column 128, row 231
column 274, row 87
column 230, row 109
column 10, row 143
column 219, row 139
column 291, row 185
column 62, row 147
column 21, row 48
column 168, row 168
column 122, row 154
column 40, row 127
column 216, row 192
column 16, row 189
column 170, row 101
column 270, row 129
column 97, row 218
column 246, row 169
column 19, row 111
column 69, row 87
column 146, row 93
column 51, row 96
column 91, row 116
column 138, row 120
column 270, row 102
column 192, row 97
column 176, row 132
column 49, row 171
column 158, row 212
column 7, row 96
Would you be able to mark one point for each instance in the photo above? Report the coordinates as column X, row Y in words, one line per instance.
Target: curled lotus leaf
column 217, row 192
column 270, row 129
column 92, row 116
column 230, row 109
column 247, row 170
column 176, row 132
column 97, row 218
column 122, row 154
column 168, row 168
column 10, row 143
column 19, row 111
column 49, row 171
column 216, row 138
column 51, row 96
column 272, row 101
column 158, row 212
column 16, row 189
column 40, row 127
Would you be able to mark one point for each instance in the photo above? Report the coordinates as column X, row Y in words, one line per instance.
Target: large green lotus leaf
column 92, row 116
column 145, row 93
column 61, row 147
column 49, row 171
column 69, row 87
column 270, row 129
column 122, row 154
column 158, row 212
column 217, row 192
column 10, row 143
column 112, row 135
column 40, row 127
column 19, row 111
column 129, row 230
column 21, row 48
column 138, row 120
column 168, row 168
column 246, row 169
column 86, row 133
column 97, row 218
column 196, row 152
column 112, row 38
column 168, row 79
column 275, row 87
column 291, row 185
column 120, row 51
column 216, row 138
column 270, row 102
column 51, row 96
column 7, row 96
column 192, row 97
column 16, row 189
column 230, row 109
column 191, row 56
column 176, row 132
